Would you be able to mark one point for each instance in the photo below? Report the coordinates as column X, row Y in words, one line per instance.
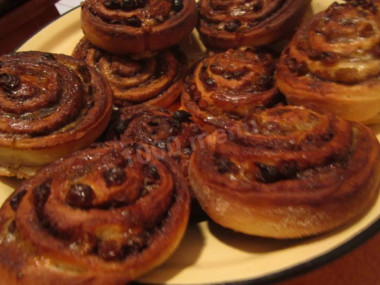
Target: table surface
column 359, row 266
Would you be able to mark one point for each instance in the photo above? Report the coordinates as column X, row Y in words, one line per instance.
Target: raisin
column 84, row 72
column 133, row 21
column 121, row 126
column 224, row 165
column 151, row 172
column 40, row 195
column 187, row 150
column 299, row 68
column 181, row 116
column 153, row 124
column 80, row 195
column 115, row 176
column 258, row 5
column 177, row 5
column 128, row 4
column 273, row 173
column 9, row 82
column 232, row 26
column 16, row 199
column 210, row 83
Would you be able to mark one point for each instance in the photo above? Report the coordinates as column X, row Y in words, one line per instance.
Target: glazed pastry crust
column 51, row 105
column 154, row 79
column 230, row 24
column 105, row 215
column 173, row 133
column 288, row 173
column 335, row 66
column 159, row 25
column 224, row 87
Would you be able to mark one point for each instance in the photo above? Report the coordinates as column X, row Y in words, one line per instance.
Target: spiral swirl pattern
column 333, row 62
column 230, row 24
column 104, row 215
column 48, row 103
column 287, row 172
column 227, row 86
column 135, row 26
column 156, row 79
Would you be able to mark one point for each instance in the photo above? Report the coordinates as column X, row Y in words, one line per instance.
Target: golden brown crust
column 51, row 105
column 287, row 172
column 227, row 86
column 230, row 24
column 333, row 62
column 137, row 27
column 105, row 215
column 155, row 79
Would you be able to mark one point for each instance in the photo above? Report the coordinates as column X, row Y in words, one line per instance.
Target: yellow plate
column 210, row 254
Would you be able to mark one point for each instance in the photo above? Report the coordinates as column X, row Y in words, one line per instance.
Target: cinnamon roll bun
column 155, row 79
column 230, row 24
column 104, row 215
column 287, row 172
column 50, row 106
column 136, row 26
column 172, row 132
column 227, row 86
column 333, row 62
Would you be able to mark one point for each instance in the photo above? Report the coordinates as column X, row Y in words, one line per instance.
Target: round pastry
column 136, row 26
column 50, row 105
column 230, row 24
column 156, row 79
column 172, row 132
column 227, row 86
column 104, row 215
column 333, row 62
column 287, row 172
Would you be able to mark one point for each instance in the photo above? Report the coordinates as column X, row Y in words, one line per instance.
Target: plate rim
column 303, row 267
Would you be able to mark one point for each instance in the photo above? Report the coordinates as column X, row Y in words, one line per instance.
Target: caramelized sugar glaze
column 104, row 215
column 230, row 24
column 135, row 26
column 333, row 62
column 228, row 86
column 287, row 172
column 50, row 105
column 172, row 132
